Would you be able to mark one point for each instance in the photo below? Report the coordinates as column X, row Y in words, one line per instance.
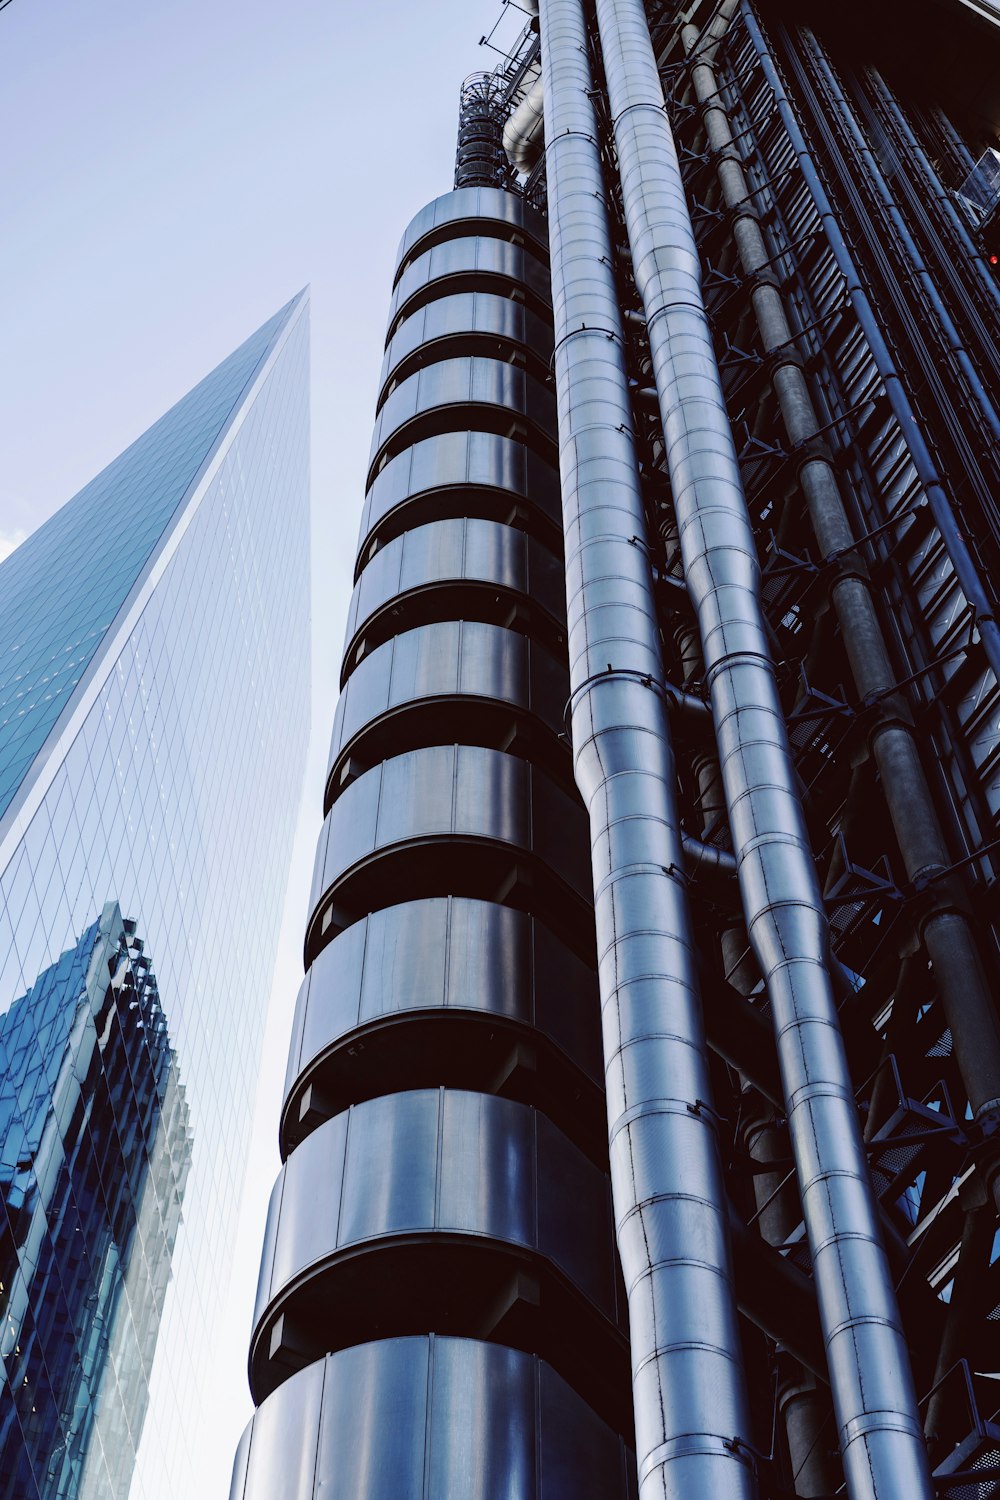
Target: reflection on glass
column 154, row 716
column 94, row 1157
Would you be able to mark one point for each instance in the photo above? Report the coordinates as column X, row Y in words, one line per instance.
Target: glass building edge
column 204, row 707
column 26, row 800
column 92, row 1034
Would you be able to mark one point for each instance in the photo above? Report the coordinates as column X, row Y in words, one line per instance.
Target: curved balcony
column 472, row 211
column 441, row 1417
column 453, row 570
column 441, row 1211
column 455, row 681
column 448, row 992
column 470, row 265
column 469, row 323
column 460, row 474
column 454, row 820
column 474, row 394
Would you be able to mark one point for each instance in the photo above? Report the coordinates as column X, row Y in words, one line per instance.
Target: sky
column 172, row 174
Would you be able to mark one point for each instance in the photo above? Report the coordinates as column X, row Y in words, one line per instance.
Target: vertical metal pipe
column 973, row 253
column 945, row 519
column 915, row 262
column 881, row 1441
column 945, row 928
column 692, row 1422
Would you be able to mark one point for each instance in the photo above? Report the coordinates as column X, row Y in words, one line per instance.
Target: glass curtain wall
column 154, row 697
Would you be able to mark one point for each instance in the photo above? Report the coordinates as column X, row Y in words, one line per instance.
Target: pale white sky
column 171, row 175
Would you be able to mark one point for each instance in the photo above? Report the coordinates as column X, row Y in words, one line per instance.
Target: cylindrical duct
column 692, row 1422
column 523, row 134
column 881, row 1441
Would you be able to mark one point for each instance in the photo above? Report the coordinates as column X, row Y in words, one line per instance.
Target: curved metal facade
column 445, row 1152
column 690, row 506
column 443, row 1416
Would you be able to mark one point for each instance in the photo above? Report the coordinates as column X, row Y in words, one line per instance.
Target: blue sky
column 172, row 175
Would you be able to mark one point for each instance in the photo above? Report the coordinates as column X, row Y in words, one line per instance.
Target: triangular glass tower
column 154, row 716
column 63, row 587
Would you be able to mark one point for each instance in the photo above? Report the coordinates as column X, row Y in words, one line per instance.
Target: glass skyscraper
column 154, row 715
column 91, row 1221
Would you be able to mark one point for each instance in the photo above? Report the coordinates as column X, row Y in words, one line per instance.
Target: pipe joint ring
column 785, row 356
column 811, row 450
column 939, row 895
column 663, row 1106
column 616, row 674
column 697, row 1444
column 841, row 567
column 644, row 105
column 885, row 713
column 733, row 658
column 763, row 276
column 611, row 334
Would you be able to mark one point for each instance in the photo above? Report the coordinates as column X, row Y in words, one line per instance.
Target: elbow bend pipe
column 879, row 1428
column 524, row 132
column 671, row 1214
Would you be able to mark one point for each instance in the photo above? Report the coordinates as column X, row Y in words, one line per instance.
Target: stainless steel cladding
column 458, row 1182
column 692, row 1424
column 669, row 720
column 880, row 1432
column 443, row 1132
column 441, row 1417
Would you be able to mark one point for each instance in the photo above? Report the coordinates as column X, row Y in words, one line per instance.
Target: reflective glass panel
column 141, row 890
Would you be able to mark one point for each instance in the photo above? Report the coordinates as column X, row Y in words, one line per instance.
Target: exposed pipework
column 917, row 266
column 932, row 185
column 692, row 1419
column 947, row 934
column 945, row 519
column 524, row 132
column 880, row 1437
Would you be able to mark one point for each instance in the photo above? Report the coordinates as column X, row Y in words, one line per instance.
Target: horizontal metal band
column 475, row 819
column 467, row 393
column 448, row 991
column 460, row 681
column 462, row 474
column 470, row 265
column 489, row 324
column 455, row 1192
column 472, row 211
column 511, row 570
column 442, row 1416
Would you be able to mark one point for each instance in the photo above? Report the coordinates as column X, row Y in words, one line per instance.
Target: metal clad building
column 640, row 1131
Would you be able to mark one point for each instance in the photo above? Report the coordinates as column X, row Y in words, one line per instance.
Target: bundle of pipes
column 690, row 1401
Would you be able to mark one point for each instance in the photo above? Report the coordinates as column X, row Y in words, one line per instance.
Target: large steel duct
column 692, row 1422
column 880, row 1436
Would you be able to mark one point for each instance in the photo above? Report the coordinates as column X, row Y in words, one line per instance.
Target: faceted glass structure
column 154, row 716
column 91, row 1222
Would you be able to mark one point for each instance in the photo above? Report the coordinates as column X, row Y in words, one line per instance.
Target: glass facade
column 91, row 1222
column 154, row 692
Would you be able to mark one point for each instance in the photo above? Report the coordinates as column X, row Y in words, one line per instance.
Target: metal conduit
column 945, row 519
column 523, row 133
column 946, row 931
column 881, row 1441
column 916, row 264
column 691, row 1413
column 970, row 254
